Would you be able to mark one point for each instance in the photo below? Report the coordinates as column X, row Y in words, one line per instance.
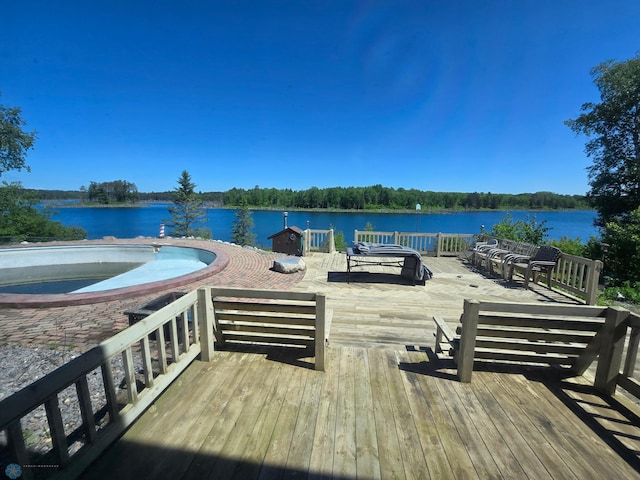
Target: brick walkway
column 83, row 326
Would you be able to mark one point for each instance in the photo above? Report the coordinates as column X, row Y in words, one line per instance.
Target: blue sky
column 435, row 95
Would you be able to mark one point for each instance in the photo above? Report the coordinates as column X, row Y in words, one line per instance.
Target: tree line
column 374, row 197
column 377, row 197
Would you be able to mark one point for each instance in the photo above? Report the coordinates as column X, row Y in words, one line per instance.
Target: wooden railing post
column 632, row 352
column 593, row 281
column 355, row 236
column 610, row 358
column 438, row 244
column 205, row 322
column 321, row 309
column 468, row 339
column 332, row 242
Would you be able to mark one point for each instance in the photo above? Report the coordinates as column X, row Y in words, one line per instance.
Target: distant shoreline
column 423, row 211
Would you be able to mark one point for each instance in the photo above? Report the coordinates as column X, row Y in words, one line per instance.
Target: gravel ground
column 22, row 366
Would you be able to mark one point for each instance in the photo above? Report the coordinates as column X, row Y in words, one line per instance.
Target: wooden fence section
column 437, row 244
column 579, row 276
column 126, row 393
column 318, row 241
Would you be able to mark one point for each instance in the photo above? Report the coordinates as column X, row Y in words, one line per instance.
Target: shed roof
column 286, row 230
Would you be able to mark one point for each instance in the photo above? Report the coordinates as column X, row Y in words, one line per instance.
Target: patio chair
column 544, row 260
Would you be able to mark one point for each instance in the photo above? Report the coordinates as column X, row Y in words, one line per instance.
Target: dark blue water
column 129, row 222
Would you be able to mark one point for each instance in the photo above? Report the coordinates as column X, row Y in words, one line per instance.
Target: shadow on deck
column 375, row 413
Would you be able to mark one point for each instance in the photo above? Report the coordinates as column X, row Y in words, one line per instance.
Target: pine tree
column 188, row 215
column 242, row 226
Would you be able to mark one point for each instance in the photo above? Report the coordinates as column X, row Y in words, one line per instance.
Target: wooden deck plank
column 412, row 365
column 321, row 462
column 444, row 424
column 533, row 465
column 344, row 457
column 566, row 432
column 299, row 457
column 262, row 431
column 234, row 450
column 541, row 426
column 581, row 425
column 620, row 423
column 415, row 465
column 472, row 439
column 192, row 424
column 275, row 458
column 222, row 414
column 389, row 447
column 367, row 456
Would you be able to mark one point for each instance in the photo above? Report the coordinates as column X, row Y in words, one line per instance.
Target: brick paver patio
column 80, row 327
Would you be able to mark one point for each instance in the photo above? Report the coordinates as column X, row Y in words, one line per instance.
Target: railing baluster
column 56, row 428
column 17, row 447
column 632, row 352
column 195, row 324
column 110, row 391
column 130, row 375
column 146, row 361
column 184, row 320
column 86, row 410
column 162, row 350
column 173, row 335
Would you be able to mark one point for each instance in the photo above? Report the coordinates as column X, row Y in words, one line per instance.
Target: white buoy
column 161, row 230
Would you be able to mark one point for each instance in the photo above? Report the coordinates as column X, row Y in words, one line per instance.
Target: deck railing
column 579, row 276
column 435, row 244
column 623, row 370
column 318, row 241
column 616, row 368
column 135, row 366
column 575, row 275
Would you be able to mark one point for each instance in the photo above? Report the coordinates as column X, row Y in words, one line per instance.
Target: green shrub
column 571, row 246
column 528, row 230
column 622, row 258
column 340, row 243
column 627, row 292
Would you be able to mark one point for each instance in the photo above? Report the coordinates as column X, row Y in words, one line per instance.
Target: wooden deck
column 385, row 407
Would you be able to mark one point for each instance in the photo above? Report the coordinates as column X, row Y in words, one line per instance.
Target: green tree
column 188, row 215
column 622, row 259
column 118, row 191
column 242, row 226
column 22, row 221
column 528, row 230
column 613, row 128
column 14, row 141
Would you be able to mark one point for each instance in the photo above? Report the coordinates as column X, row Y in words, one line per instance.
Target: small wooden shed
column 287, row 241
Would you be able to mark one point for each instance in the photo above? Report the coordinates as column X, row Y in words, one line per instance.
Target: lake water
column 129, row 222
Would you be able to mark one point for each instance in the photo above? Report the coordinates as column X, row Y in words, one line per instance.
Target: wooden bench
column 482, row 253
column 272, row 318
column 501, row 261
column 569, row 336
